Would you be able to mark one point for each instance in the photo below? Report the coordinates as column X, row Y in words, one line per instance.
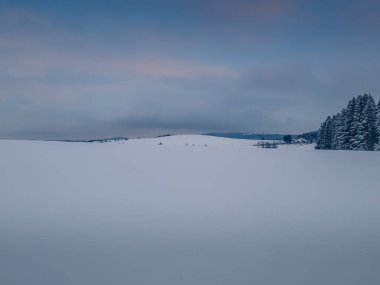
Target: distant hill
column 99, row 140
column 309, row 136
column 248, row 136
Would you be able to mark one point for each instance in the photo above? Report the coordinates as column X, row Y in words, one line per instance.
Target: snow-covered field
column 227, row 213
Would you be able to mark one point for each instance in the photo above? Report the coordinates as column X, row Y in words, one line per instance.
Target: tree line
column 356, row 127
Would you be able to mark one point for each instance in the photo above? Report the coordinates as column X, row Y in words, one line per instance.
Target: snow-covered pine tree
column 377, row 147
column 325, row 135
column 358, row 139
column 348, row 129
column 341, row 136
column 338, row 130
column 378, row 116
column 329, row 133
column 357, row 127
column 370, row 118
column 321, row 137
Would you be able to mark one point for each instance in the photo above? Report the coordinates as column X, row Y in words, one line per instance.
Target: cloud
column 159, row 67
column 46, row 64
column 71, row 95
column 180, row 66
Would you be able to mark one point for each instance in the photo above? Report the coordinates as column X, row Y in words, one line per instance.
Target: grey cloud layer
column 237, row 73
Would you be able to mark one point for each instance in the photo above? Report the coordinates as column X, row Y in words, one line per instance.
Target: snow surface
column 137, row 212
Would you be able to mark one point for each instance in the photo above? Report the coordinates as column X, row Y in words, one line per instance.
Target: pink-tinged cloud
column 36, row 65
column 159, row 67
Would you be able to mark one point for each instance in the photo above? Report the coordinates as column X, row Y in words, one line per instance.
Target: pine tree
column 338, row 130
column 378, row 119
column 370, row 123
column 357, row 137
column 325, row 135
column 342, row 134
column 378, row 126
column 348, row 129
column 321, row 137
column 329, row 133
column 357, row 127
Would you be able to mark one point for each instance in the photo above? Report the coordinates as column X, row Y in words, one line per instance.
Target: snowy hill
column 137, row 212
column 197, row 140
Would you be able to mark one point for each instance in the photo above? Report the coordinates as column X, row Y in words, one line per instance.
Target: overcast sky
column 82, row 69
